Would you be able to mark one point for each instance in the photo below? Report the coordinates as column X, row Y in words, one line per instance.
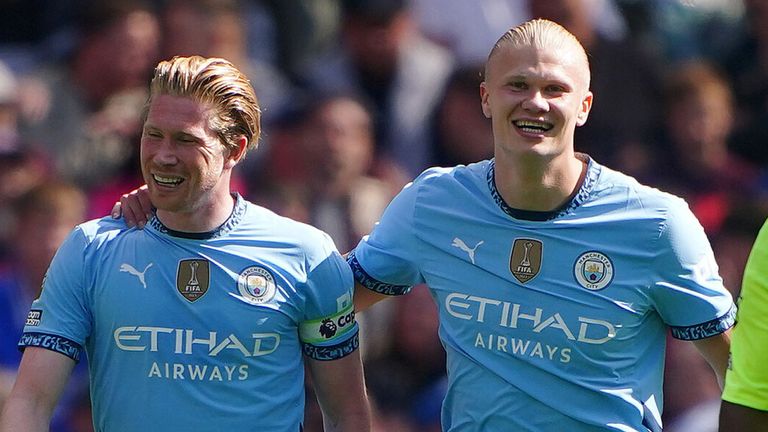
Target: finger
column 145, row 203
column 116, row 210
column 128, row 212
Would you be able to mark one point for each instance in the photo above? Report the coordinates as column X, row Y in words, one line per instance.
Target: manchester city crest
column 256, row 285
column 593, row 270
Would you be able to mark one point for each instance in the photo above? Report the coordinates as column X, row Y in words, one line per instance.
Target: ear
column 484, row 100
column 237, row 153
column 586, row 105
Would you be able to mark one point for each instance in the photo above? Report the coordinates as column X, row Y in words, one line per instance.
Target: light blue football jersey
column 552, row 321
column 197, row 332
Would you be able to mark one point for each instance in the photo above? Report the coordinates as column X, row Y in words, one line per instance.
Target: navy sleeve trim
column 51, row 342
column 372, row 284
column 333, row 352
column 707, row 329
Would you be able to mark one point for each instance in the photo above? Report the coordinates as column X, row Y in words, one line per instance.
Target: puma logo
column 459, row 243
column 130, row 269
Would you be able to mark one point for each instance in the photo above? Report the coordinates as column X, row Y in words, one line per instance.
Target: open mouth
column 533, row 126
column 169, row 181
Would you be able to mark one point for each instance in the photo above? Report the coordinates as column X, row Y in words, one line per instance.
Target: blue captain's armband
column 372, row 284
column 707, row 329
column 51, row 342
column 333, row 352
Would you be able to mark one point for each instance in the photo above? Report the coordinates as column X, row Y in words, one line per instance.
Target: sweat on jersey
column 552, row 321
column 197, row 331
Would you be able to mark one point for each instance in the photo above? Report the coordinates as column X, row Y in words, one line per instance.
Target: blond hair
column 542, row 34
column 217, row 82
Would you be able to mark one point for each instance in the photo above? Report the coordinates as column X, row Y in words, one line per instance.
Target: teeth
column 170, row 181
column 533, row 125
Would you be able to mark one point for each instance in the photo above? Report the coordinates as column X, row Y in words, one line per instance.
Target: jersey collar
column 237, row 215
column 590, row 179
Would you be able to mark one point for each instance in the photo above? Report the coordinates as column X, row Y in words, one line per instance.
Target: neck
column 538, row 183
column 200, row 219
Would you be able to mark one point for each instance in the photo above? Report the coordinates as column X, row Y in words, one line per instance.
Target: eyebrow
column 182, row 134
column 517, row 77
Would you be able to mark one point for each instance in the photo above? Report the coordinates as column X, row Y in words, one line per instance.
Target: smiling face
column 535, row 97
column 185, row 165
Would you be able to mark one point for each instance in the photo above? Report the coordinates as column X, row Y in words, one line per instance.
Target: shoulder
column 457, row 176
column 100, row 230
column 89, row 241
column 626, row 190
column 289, row 231
column 667, row 218
column 266, row 217
column 441, row 187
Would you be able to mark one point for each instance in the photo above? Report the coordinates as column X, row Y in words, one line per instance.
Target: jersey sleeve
column 688, row 291
column 385, row 261
column 58, row 319
column 746, row 381
column 329, row 330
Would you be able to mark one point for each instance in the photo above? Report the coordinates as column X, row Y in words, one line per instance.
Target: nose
column 535, row 102
column 165, row 153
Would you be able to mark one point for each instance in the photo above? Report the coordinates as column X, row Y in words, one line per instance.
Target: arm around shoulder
column 39, row 383
column 340, row 390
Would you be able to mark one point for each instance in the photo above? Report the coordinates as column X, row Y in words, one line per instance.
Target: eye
column 557, row 89
column 518, row 85
column 153, row 134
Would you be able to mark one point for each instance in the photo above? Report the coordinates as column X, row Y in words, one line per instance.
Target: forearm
column 341, row 393
column 346, row 413
column 359, row 421
column 40, row 381
column 21, row 414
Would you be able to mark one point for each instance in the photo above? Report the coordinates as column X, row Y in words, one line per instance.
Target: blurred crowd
column 358, row 96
